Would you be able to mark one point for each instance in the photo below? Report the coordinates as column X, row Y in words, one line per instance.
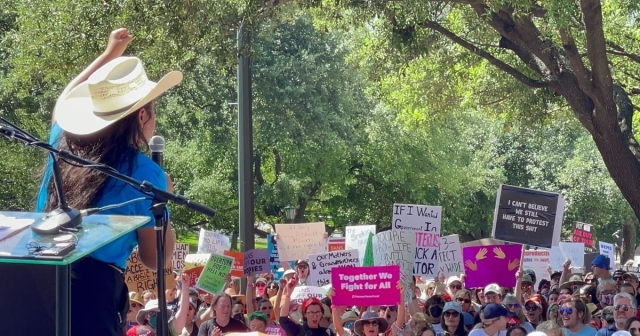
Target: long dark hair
column 115, row 146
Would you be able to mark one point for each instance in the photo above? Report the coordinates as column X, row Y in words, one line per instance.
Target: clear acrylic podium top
column 96, row 231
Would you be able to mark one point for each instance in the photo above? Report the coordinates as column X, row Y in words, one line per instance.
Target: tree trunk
column 234, row 239
column 628, row 242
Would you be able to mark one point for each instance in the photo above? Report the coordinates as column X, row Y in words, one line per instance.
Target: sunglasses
column 455, row 286
column 371, row 323
column 452, row 314
column 617, row 278
column 272, row 287
column 531, row 308
column 266, row 308
column 348, row 325
column 567, row 310
column 461, row 300
column 303, row 266
column 513, row 305
column 260, row 284
column 621, row 307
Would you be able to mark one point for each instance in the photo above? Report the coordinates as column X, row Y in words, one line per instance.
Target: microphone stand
column 158, row 207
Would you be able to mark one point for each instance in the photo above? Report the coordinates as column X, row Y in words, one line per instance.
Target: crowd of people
column 602, row 302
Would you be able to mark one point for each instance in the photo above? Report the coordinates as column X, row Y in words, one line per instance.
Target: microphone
column 62, row 218
column 156, row 145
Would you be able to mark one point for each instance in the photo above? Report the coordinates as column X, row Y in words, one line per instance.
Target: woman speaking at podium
column 106, row 114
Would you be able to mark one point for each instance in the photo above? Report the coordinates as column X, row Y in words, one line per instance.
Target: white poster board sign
column 212, row 242
column 450, row 256
column 425, row 221
column 573, row 252
column 356, row 238
column 556, row 258
column 320, row 265
column 607, row 249
column 396, row 248
column 297, row 241
column 301, row 293
column 537, row 260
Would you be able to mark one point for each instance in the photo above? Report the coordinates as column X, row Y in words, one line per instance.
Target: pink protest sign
column 366, row 286
column 491, row 264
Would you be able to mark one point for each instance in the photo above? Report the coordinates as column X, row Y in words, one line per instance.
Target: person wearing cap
column 347, row 321
column 302, row 272
column 532, row 274
column 632, row 279
column 526, row 287
column 494, row 321
column 452, row 321
column 576, row 318
column 370, row 324
column 190, row 327
column 534, row 308
column 107, row 114
column 135, row 304
column 601, row 267
column 492, row 294
column 572, row 285
column 513, row 305
column 454, row 285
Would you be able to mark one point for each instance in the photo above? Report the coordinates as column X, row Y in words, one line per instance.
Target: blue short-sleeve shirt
column 114, row 192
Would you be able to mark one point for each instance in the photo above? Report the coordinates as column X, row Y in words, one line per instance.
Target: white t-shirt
column 437, row 329
column 480, row 332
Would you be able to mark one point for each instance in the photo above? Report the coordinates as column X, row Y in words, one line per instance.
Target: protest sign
column 425, row 220
column 396, row 248
column 180, row 251
column 556, row 258
column 212, row 242
column 301, row 293
column 256, row 262
column 491, row 264
column 537, row 260
column 139, row 278
column 366, row 286
column 297, row 241
column 321, row 265
column 367, row 260
column 237, row 269
column 582, row 234
column 450, row 256
column 527, row 216
column 336, row 244
column 356, row 238
column 607, row 249
column 193, row 266
column 275, row 330
column 212, row 277
column 573, row 252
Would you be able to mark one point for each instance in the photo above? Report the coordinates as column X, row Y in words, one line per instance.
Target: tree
column 575, row 54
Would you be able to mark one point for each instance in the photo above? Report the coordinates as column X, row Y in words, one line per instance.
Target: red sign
column 582, row 234
column 237, row 270
column 336, row 244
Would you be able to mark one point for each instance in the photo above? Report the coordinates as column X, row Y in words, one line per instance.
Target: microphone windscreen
column 156, row 144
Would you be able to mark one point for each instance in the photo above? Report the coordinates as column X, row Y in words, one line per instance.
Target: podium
column 36, row 292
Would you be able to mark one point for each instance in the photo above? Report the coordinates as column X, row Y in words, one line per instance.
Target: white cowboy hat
column 113, row 92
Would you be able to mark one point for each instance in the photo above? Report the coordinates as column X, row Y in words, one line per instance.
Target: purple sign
column 366, row 286
column 256, row 262
column 488, row 264
column 276, row 331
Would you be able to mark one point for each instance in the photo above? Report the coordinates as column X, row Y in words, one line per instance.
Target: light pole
column 290, row 213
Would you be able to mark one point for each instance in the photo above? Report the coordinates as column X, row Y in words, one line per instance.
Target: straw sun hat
column 113, row 92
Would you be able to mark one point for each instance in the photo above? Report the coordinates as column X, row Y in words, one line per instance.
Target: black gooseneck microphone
column 62, row 218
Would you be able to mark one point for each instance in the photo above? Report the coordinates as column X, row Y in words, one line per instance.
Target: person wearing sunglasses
column 534, row 306
column 624, row 308
column 452, row 321
column 514, row 307
column 576, row 318
column 454, row 284
column 463, row 298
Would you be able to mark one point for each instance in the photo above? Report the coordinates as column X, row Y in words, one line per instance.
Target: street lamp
column 290, row 213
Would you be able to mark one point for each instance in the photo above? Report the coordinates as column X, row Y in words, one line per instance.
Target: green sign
column 212, row 277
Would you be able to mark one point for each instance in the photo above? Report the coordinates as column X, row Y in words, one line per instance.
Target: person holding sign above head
column 301, row 266
column 312, row 313
column 107, row 114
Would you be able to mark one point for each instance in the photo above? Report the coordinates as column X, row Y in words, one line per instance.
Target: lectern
column 35, row 292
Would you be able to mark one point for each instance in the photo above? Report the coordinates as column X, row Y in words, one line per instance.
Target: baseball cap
column 602, row 261
column 492, row 288
column 494, row 310
column 452, row 305
column 630, row 275
column 527, row 279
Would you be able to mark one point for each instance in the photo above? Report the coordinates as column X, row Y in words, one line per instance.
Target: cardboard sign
column 336, row 244
column 297, row 241
column 366, row 286
column 450, row 256
column 491, row 264
column 139, row 278
column 180, row 252
column 194, row 265
column 237, row 269
column 212, row 277
column 582, row 234
column 425, row 221
column 322, row 264
column 527, row 216
column 356, row 238
column 212, row 242
column 256, row 262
